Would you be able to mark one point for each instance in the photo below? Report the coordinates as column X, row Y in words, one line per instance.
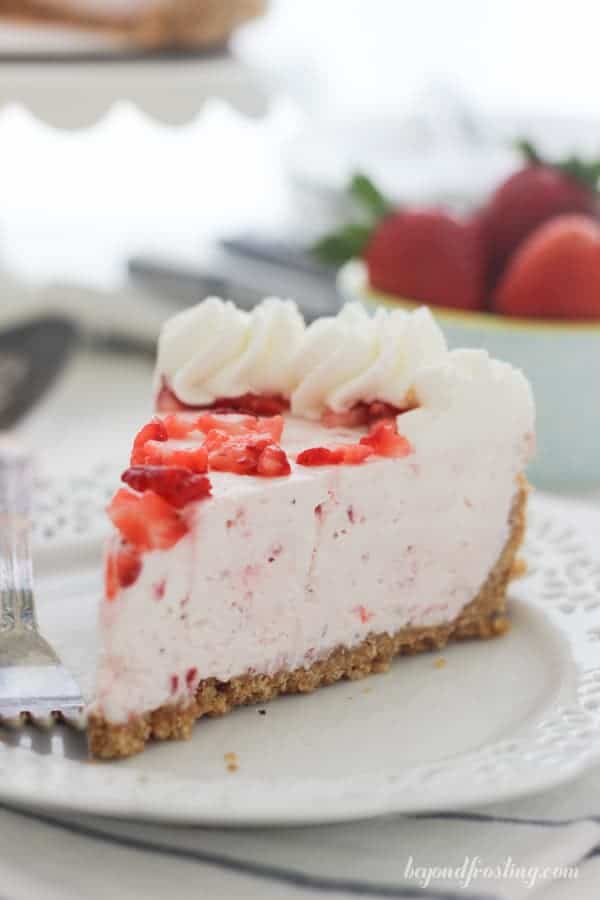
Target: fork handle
column 17, row 608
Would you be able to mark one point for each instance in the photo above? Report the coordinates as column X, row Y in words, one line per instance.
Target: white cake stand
column 71, row 80
column 75, row 92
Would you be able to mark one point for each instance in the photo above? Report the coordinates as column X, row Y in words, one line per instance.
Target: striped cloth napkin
column 545, row 848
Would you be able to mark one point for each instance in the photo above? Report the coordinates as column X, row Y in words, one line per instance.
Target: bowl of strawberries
column 519, row 276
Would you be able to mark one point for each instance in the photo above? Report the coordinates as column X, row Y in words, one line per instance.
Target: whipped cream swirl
column 216, row 350
column 355, row 357
column 477, row 388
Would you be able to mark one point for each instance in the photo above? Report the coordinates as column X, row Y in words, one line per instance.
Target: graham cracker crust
column 167, row 23
column 484, row 617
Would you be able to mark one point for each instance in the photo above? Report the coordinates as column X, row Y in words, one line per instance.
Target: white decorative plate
column 500, row 718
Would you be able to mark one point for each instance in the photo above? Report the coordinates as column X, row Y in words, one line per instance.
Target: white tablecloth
column 494, row 852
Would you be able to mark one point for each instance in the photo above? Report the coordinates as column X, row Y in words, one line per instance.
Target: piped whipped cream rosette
column 214, row 351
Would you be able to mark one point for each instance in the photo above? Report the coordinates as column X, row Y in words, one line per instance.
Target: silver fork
column 34, row 685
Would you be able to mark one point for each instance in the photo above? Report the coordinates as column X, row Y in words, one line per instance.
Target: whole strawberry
column 532, row 196
column 556, row 272
column 425, row 255
column 428, row 256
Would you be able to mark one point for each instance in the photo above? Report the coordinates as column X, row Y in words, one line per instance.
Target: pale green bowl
column 562, row 361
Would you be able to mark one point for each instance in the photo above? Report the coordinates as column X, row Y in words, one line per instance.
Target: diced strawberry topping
column 237, row 454
column 195, row 459
column 273, row 463
column 152, row 431
column 353, row 454
column 340, row 454
column 272, row 426
column 166, row 401
column 175, row 484
column 254, row 404
column 215, row 439
column 121, row 569
column 317, row 456
column 129, row 565
column 380, row 410
column 250, row 454
column 146, row 521
column 350, row 418
column 359, row 414
column 228, row 424
column 179, row 426
column 251, row 404
column 174, row 683
column 384, row 440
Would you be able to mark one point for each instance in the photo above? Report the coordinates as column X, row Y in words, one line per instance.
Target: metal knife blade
column 31, row 357
column 279, row 253
column 187, row 284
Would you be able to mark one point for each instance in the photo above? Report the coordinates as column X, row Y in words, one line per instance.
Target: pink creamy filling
column 276, row 573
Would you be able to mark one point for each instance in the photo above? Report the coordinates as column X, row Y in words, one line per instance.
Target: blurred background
column 337, row 76
column 186, row 173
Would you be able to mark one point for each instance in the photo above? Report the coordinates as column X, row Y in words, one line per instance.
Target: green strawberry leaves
column 350, row 240
column 339, row 246
column 364, row 192
column 587, row 172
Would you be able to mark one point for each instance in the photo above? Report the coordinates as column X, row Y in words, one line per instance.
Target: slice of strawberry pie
column 307, row 503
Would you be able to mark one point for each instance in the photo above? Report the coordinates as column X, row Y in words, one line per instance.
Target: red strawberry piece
column 272, row 426
column 158, row 454
column 254, row 404
column 239, row 454
column 129, row 565
column 179, row 426
column 240, row 425
column 229, row 424
column 193, row 458
column 253, row 453
column 351, row 418
column 111, row 578
column 152, row 431
column 318, row 456
column 428, row 256
column 340, row 454
column 556, row 272
column 214, row 439
column 166, row 401
column 359, row 414
column 380, row 410
column 531, row 197
column 175, row 484
column 352, row 454
column 384, row 440
column 146, row 521
column 236, row 456
column 273, row 463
